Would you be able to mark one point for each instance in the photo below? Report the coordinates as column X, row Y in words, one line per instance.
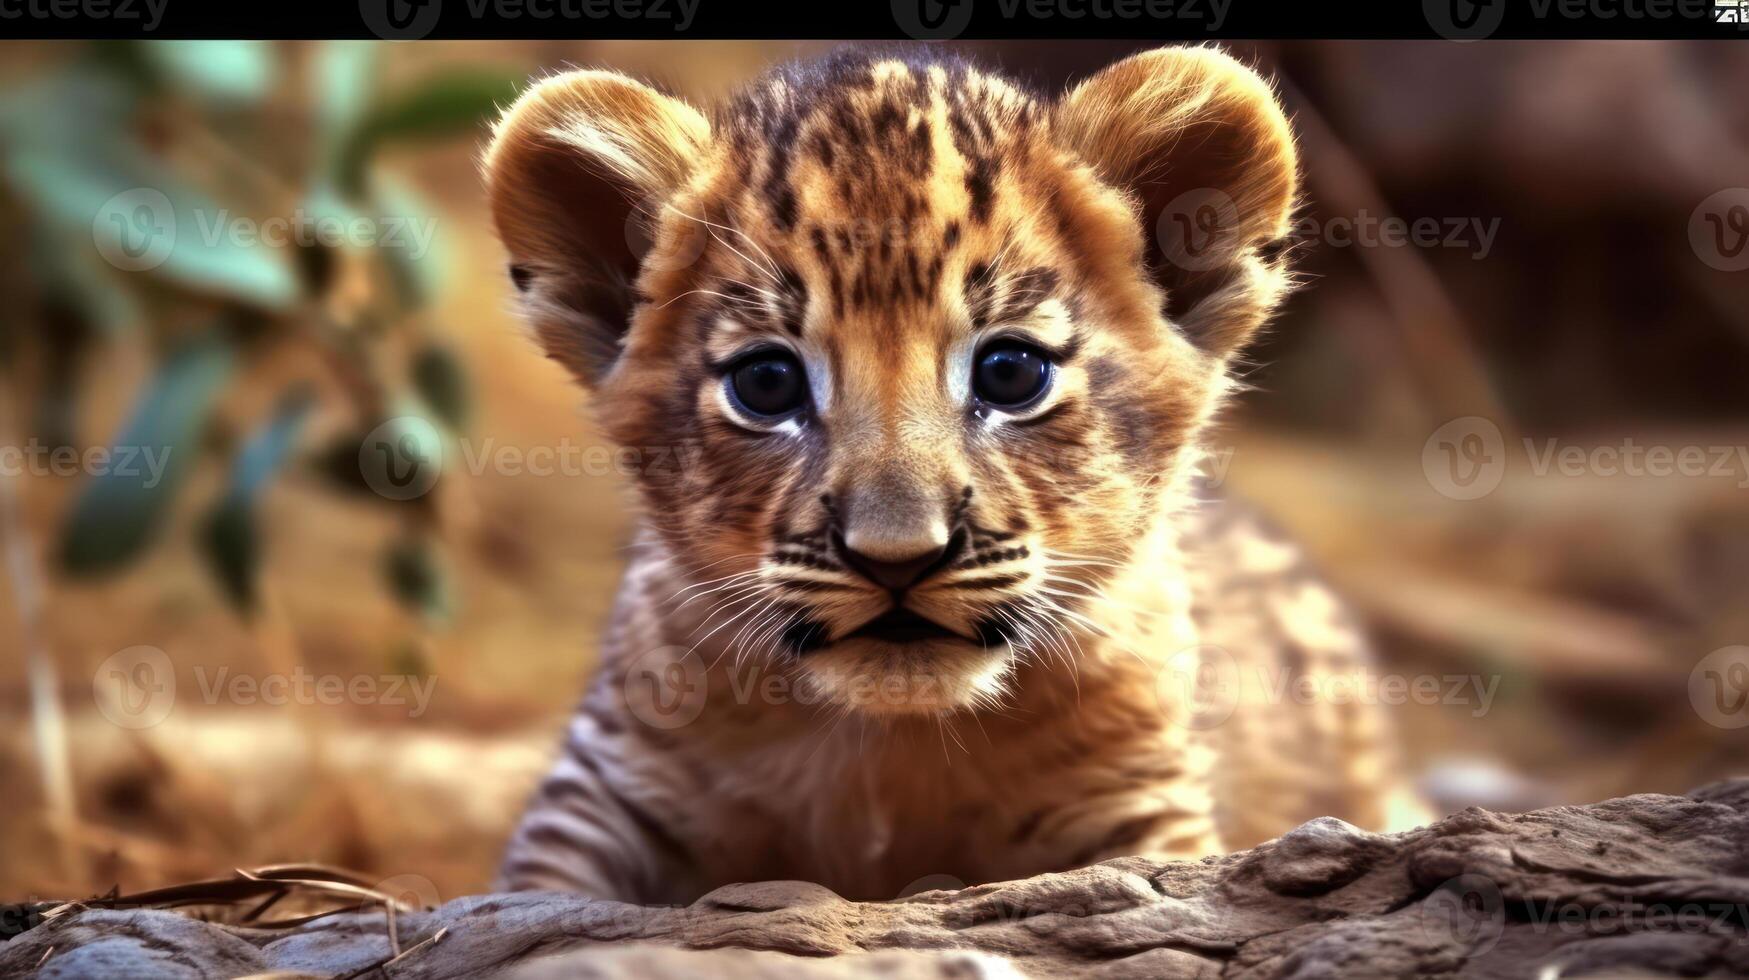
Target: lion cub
column 938, row 594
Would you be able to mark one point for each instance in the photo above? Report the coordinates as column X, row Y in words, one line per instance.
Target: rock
column 1641, row 886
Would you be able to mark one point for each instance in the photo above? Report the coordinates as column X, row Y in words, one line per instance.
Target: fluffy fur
column 880, row 218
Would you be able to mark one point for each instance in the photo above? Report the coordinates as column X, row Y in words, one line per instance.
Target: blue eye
column 1010, row 374
column 769, row 384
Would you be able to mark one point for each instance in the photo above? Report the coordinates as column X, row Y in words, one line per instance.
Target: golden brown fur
column 879, row 219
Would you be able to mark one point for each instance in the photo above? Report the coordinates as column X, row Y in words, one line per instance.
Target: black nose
column 902, row 573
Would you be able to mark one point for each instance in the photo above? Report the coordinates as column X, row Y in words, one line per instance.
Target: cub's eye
column 1010, row 374
column 769, row 384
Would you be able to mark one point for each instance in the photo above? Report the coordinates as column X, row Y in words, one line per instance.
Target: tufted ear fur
column 574, row 171
column 1201, row 145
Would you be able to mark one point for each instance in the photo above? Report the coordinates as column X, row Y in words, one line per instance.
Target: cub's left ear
column 1200, row 143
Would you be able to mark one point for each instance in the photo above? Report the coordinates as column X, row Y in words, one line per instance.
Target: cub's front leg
column 585, row 832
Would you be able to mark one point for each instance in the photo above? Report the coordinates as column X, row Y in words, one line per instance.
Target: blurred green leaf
column 337, row 463
column 228, row 71
column 267, row 450
column 67, row 336
column 231, row 545
column 65, row 146
column 78, row 279
column 394, row 223
column 124, row 504
column 439, row 107
column 442, row 383
column 63, row 106
column 417, row 260
column 417, row 579
column 229, row 536
column 342, row 80
column 142, row 218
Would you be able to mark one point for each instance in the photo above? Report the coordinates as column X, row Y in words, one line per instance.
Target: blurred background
column 1508, row 415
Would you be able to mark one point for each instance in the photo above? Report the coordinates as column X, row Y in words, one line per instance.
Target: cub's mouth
column 903, row 663
column 903, row 626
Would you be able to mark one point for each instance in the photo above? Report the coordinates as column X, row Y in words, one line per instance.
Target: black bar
column 1180, row 20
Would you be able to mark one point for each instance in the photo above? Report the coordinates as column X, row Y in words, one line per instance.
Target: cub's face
column 929, row 345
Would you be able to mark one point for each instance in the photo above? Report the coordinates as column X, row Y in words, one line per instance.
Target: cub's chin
column 911, row 677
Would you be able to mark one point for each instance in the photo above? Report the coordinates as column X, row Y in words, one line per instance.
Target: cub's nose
column 896, row 566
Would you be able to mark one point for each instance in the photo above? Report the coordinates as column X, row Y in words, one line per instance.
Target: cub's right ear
column 576, row 170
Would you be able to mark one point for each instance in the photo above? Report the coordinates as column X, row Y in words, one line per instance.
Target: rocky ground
column 1641, row 886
